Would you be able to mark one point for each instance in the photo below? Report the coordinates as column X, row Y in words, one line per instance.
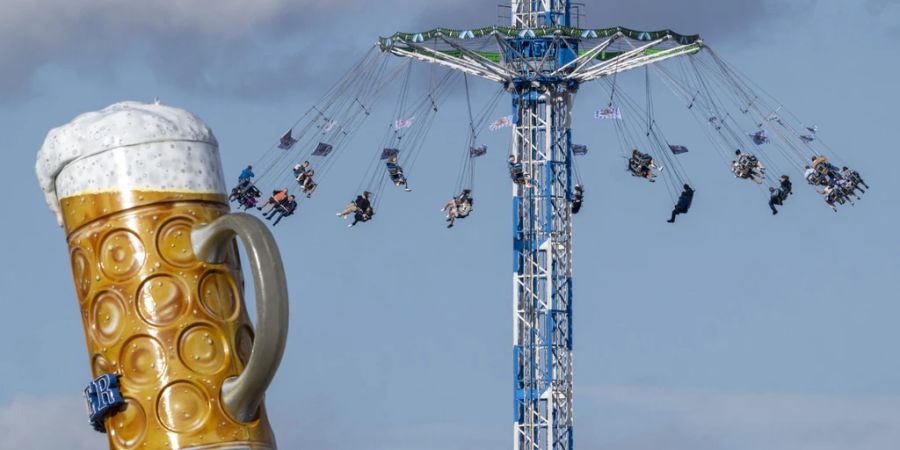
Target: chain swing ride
column 541, row 61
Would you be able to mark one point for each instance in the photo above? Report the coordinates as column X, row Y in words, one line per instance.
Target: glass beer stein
column 139, row 191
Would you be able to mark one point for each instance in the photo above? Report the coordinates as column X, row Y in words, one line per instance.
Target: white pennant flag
column 609, row 112
column 503, row 122
column 400, row 124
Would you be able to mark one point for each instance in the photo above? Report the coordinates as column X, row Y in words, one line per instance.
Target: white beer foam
column 129, row 146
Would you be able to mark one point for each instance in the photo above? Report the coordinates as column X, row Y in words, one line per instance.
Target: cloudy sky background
column 732, row 330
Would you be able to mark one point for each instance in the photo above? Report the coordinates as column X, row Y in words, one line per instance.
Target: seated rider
column 748, row 167
column 831, row 197
column 301, row 172
column 246, row 174
column 813, row 177
column 855, row 179
column 396, row 173
column 285, row 208
column 516, row 171
column 248, row 198
column 577, row 198
column 845, row 189
column 239, row 190
column 780, row 194
column 364, row 210
column 458, row 207
column 309, row 186
column 464, row 203
column 274, row 200
column 786, row 186
column 823, row 167
column 684, row 203
column 641, row 165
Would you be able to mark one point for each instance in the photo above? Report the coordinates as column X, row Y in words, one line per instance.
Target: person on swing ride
column 780, row 194
column 245, row 194
column 285, row 208
column 464, row 202
column 845, row 189
column 854, row 178
column 823, row 167
column 458, row 207
column 246, row 174
column 746, row 166
column 642, row 164
column 832, row 197
column 362, row 211
column 684, row 203
column 577, row 198
column 240, row 189
column 811, row 176
column 516, row 171
column 274, row 200
column 309, row 186
column 245, row 179
column 396, row 173
column 248, row 197
column 301, row 171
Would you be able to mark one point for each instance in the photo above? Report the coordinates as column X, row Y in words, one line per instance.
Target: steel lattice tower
column 541, row 64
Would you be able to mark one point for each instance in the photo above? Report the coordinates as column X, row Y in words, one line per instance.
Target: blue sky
column 731, row 330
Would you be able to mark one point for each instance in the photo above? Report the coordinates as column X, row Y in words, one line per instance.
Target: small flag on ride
column 678, row 149
column 322, row 149
column 475, row 152
column 328, row 126
column 389, row 153
column 287, row 140
column 503, row 122
column 760, row 138
column 579, row 150
column 400, row 124
column 609, row 112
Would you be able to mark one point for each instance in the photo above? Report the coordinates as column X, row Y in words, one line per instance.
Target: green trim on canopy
column 490, row 56
column 577, row 33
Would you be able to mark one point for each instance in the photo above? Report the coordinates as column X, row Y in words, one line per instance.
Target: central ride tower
column 542, row 226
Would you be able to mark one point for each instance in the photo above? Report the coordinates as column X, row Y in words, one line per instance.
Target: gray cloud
column 227, row 48
column 185, row 40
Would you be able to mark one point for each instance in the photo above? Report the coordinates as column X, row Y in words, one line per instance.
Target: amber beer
column 171, row 325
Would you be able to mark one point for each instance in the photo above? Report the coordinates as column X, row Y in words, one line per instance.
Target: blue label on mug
column 102, row 397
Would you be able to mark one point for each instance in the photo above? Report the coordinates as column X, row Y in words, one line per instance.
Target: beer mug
column 140, row 193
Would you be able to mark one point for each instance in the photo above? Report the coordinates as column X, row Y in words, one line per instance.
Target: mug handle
column 242, row 395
